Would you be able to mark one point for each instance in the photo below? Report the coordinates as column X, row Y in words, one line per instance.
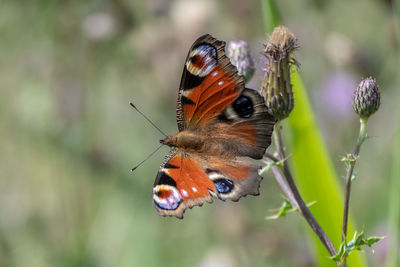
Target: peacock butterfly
column 220, row 123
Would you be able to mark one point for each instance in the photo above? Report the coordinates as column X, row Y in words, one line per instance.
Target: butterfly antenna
column 130, row 103
column 151, row 154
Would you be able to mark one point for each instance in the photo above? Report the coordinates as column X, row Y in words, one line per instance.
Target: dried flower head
column 276, row 87
column 367, row 99
column 238, row 53
column 281, row 43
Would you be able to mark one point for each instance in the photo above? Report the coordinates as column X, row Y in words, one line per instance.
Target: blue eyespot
column 166, row 197
column 201, row 60
column 243, row 107
column 223, row 185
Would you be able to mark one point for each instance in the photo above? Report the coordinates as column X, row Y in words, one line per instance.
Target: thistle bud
column 276, row 87
column 366, row 98
column 238, row 53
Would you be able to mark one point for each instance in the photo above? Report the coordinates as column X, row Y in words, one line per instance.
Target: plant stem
column 351, row 160
column 300, row 203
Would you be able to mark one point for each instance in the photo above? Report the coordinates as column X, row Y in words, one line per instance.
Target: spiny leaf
column 268, row 165
column 285, row 208
column 356, row 243
column 349, row 158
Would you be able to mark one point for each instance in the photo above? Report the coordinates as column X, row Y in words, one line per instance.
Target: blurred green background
column 68, row 136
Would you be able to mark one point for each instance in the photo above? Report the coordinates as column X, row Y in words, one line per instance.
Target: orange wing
column 209, row 84
column 212, row 98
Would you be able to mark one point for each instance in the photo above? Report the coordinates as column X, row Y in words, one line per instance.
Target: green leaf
column 393, row 259
column 271, row 15
column 349, row 159
column 340, row 253
column 372, row 240
column 286, row 207
column 268, row 166
column 356, row 243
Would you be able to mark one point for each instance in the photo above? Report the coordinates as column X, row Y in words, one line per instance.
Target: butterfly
column 221, row 126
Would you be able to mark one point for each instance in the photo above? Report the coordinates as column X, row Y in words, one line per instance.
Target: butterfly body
column 221, row 124
column 187, row 140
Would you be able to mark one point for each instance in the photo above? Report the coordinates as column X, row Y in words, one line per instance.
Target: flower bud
column 366, row 98
column 276, row 87
column 238, row 53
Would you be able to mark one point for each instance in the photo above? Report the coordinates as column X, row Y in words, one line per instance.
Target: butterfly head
column 169, row 141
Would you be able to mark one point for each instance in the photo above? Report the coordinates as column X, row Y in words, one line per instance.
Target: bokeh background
column 68, row 136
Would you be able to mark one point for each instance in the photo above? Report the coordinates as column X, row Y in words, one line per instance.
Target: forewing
column 209, row 84
column 212, row 98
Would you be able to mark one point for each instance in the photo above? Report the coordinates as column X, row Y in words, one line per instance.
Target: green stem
column 352, row 159
column 300, row 203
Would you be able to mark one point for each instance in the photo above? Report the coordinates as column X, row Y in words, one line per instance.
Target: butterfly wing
column 245, row 127
column 212, row 97
column 209, row 83
column 186, row 180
